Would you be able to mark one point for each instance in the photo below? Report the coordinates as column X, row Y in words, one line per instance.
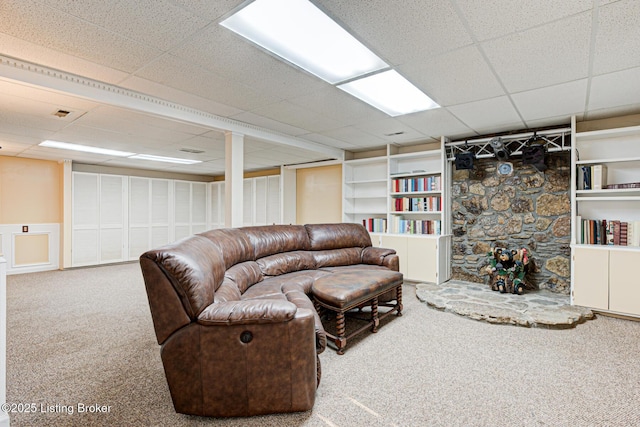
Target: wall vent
column 61, row 113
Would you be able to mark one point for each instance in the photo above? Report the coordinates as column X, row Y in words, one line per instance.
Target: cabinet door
column 399, row 243
column 422, row 259
column 591, row 278
column 624, row 290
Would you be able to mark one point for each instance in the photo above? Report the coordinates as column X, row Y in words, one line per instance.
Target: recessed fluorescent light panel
column 299, row 32
column 165, row 159
column 389, row 92
column 85, row 148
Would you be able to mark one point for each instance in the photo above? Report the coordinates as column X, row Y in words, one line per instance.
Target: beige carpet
column 85, row 337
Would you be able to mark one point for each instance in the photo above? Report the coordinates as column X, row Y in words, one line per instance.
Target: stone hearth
column 541, row 308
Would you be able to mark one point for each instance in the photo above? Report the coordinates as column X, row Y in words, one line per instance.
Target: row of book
column 375, row 225
column 427, row 183
column 608, row 232
column 417, row 204
column 414, row 226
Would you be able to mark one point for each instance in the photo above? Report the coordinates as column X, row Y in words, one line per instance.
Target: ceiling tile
column 34, row 22
column 401, row 32
column 454, row 77
column 178, row 74
column 225, row 54
column 560, row 100
column 296, row 116
column 617, row 37
column 436, row 123
column 267, row 123
column 615, row 89
column 490, row 19
column 488, row 116
column 355, row 136
column 543, row 56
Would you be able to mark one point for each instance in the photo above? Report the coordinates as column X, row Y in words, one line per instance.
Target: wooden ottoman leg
column 341, row 340
column 375, row 321
column 399, row 300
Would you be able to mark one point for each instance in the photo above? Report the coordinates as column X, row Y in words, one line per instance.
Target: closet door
column 260, row 198
column 182, row 209
column 273, row 200
column 113, row 218
column 139, row 216
column 99, row 219
column 160, row 212
column 85, row 217
column 198, row 207
column 216, row 204
column 247, row 202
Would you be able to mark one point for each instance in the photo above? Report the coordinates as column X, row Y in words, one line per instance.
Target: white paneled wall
column 117, row 218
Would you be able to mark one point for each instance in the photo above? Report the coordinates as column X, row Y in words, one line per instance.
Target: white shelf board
column 612, row 160
column 608, row 133
column 416, row 193
column 368, row 181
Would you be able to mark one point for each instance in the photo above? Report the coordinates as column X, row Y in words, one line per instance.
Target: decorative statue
column 507, row 269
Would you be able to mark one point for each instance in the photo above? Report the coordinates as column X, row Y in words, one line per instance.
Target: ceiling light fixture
column 302, row 34
column 84, row 148
column 165, row 159
column 390, row 92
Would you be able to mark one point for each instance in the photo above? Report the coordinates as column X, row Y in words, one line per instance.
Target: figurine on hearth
column 507, row 269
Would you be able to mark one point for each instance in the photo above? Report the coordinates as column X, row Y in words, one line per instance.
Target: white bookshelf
column 599, row 278
column 374, row 187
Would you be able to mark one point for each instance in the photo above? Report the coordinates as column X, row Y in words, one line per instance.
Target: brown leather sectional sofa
column 233, row 313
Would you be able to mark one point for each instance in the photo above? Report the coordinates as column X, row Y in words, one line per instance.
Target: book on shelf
column 593, row 177
column 415, row 226
column 608, row 232
column 416, row 185
column 375, row 225
column 619, row 186
column 417, row 204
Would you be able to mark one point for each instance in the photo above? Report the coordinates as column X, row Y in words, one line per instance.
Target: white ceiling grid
column 493, row 66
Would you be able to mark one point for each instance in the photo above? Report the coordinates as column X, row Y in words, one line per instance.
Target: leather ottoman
column 344, row 291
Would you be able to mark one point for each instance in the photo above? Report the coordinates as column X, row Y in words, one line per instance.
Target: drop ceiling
column 493, row 66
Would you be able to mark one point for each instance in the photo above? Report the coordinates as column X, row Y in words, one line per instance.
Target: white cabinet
column 262, row 200
column 605, row 279
column 422, row 258
column 606, row 219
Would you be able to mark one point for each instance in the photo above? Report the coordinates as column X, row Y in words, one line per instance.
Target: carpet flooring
column 81, row 351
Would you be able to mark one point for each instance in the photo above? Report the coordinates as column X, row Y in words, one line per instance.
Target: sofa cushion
column 278, row 264
column 273, row 239
column 244, row 275
column 228, row 291
column 337, row 236
column 335, row 257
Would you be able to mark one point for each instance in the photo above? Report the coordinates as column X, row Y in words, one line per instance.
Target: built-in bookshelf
column 605, row 204
column 400, row 195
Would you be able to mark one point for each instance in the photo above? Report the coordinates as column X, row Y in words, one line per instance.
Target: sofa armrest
column 247, row 312
column 381, row 256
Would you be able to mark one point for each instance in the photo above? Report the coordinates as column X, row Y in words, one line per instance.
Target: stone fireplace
column 525, row 209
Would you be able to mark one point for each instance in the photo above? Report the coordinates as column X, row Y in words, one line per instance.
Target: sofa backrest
column 181, row 279
column 274, row 239
column 337, row 236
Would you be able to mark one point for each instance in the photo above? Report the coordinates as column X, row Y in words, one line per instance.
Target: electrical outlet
column 25, row 228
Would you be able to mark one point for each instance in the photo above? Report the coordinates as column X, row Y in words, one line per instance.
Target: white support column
column 4, row 416
column 233, row 176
